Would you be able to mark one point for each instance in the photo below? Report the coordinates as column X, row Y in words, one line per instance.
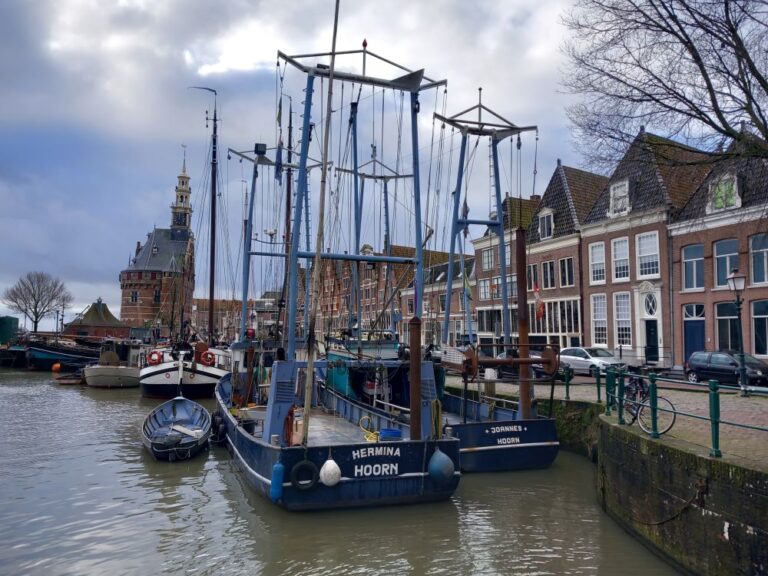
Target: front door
column 693, row 337
column 651, row 340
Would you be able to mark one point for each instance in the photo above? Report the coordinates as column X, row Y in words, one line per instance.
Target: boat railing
column 377, row 402
column 504, row 402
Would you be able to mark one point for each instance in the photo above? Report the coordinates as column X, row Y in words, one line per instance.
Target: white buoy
column 330, row 473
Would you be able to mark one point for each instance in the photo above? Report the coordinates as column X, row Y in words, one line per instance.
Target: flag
column 539, row 304
column 467, row 289
column 279, row 162
column 280, row 113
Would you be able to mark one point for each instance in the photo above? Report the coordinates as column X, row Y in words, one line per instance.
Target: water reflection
column 82, row 496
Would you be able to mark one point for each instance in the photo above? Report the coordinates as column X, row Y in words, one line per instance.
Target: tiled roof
column 97, row 314
column 164, row 251
column 752, row 184
column 519, row 212
column 569, row 194
column 662, row 174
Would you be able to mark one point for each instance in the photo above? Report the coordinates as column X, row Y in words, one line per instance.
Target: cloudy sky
column 96, row 105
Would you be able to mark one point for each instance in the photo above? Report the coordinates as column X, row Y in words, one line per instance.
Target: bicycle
column 637, row 407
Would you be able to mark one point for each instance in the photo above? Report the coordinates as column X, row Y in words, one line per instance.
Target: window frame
column 615, row 261
column 594, row 320
column 552, row 284
column 616, row 187
column 486, row 258
column 697, row 269
column 544, row 217
column 624, row 323
column 570, row 281
column 759, row 254
column 763, row 351
column 530, row 281
column 593, row 263
column 639, row 256
column 731, row 260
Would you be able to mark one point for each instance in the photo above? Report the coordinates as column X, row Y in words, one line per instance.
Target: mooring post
column 597, row 383
column 414, row 328
column 620, row 396
column 654, row 397
column 610, row 387
column 714, row 418
column 567, row 384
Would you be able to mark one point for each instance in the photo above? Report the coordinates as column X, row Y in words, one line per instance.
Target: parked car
column 724, row 367
column 590, row 360
column 538, row 369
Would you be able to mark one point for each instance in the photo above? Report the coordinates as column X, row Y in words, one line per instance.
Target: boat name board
column 505, row 440
column 377, row 469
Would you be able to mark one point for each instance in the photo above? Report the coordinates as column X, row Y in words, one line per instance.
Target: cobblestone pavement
column 743, row 446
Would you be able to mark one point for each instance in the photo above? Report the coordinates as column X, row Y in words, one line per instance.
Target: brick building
column 554, row 256
column 625, row 254
column 723, row 226
column 159, row 282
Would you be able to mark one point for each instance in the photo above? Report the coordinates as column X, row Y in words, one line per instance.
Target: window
column 545, row 226
column 157, row 296
column 548, row 273
column 496, row 287
column 485, row 288
column 461, row 301
column 723, row 194
column 442, row 302
column 487, row 257
column 693, row 267
column 647, row 254
column 533, row 276
column 758, row 247
column 512, row 284
column 599, row 319
column 760, row 327
column 597, row 263
column 508, row 253
column 566, row 272
column 620, row 254
column 619, row 198
column 726, row 259
column 621, row 313
column 727, row 326
column 410, row 305
column 134, row 296
column 693, row 312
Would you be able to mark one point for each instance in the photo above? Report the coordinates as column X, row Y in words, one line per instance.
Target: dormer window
column 619, row 198
column 723, row 194
column 155, row 250
column 546, row 225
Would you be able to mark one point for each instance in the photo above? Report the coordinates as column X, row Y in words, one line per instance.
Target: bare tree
column 37, row 295
column 692, row 70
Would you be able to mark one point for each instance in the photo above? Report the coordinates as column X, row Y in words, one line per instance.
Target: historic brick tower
column 158, row 285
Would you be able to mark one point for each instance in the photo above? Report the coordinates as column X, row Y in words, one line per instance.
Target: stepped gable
column 752, row 182
column 570, row 195
column 662, row 174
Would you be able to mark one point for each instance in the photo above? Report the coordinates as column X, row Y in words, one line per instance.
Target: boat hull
column 43, row 357
column 178, row 429
column 162, row 380
column 111, row 376
column 372, row 474
column 500, row 442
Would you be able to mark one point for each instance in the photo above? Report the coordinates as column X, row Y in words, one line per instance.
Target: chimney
column 138, row 247
column 535, row 198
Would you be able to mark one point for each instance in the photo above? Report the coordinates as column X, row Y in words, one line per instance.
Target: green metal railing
column 616, row 396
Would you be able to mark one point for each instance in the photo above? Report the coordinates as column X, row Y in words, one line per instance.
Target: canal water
column 79, row 495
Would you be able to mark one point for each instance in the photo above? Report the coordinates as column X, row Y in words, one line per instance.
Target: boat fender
column 208, row 358
column 303, row 468
column 276, row 488
column 330, row 473
column 155, row 357
column 441, row 468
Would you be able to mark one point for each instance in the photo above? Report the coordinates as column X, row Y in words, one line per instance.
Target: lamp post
column 736, row 283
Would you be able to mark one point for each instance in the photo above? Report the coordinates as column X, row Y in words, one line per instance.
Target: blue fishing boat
column 69, row 355
column 176, row 430
column 296, row 440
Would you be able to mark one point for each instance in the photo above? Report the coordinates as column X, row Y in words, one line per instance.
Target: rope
column 369, row 433
column 437, row 418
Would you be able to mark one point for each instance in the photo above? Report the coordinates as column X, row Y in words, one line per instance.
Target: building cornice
column 718, row 220
column 624, row 223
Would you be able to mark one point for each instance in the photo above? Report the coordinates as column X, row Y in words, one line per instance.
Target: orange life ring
column 208, row 358
column 155, row 357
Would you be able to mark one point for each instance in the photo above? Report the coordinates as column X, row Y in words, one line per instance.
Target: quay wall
column 705, row 515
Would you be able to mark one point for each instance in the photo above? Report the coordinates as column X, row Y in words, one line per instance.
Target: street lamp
column 736, row 283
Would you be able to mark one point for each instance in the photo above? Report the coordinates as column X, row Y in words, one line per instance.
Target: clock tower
column 181, row 210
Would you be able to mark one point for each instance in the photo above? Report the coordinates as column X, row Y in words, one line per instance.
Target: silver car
column 590, row 360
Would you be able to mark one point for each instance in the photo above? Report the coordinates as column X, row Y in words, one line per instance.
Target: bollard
column 714, row 418
column 620, row 397
column 597, row 383
column 653, row 393
column 610, row 387
column 568, row 383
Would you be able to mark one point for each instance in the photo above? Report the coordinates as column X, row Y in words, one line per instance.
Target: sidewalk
column 745, row 447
